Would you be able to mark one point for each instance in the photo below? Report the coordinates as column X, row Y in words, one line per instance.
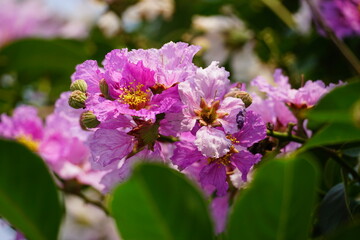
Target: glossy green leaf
column 278, row 204
column 334, row 133
column 28, row 196
column 160, row 203
column 333, row 211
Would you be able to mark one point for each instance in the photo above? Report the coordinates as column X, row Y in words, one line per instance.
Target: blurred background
column 41, row 41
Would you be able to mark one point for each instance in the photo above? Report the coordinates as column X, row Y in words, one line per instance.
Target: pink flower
column 60, row 141
column 214, row 170
column 138, row 83
column 304, row 97
column 205, row 104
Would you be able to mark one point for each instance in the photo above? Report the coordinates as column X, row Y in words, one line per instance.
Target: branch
column 89, row 201
column 344, row 49
column 285, row 136
column 337, row 158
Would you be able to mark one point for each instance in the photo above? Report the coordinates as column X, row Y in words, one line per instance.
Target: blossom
column 25, row 126
column 205, row 105
column 304, row 97
column 214, row 170
column 138, row 83
column 342, row 16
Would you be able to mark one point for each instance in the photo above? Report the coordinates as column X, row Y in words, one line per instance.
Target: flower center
column 28, row 142
column 208, row 115
column 135, row 96
column 224, row 160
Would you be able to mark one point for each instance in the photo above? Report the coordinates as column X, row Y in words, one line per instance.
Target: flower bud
column 104, row 88
column 77, row 99
column 88, row 120
column 244, row 96
column 79, row 85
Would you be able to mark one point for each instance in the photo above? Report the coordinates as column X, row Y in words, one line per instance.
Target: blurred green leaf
column 278, row 204
column 332, row 173
column 28, row 196
column 336, row 106
column 160, row 203
column 40, row 56
column 351, row 232
column 43, row 61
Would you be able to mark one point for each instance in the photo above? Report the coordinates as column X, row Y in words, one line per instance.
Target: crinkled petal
column 212, row 82
column 244, row 161
column 91, row 73
column 109, row 145
column 231, row 107
column 214, row 174
column 253, row 131
column 220, row 209
column 212, row 142
column 185, row 154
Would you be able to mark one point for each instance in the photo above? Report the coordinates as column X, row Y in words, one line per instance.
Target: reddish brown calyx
column 208, row 115
column 146, row 133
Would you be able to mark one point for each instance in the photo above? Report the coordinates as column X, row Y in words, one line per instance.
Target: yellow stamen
column 135, row 96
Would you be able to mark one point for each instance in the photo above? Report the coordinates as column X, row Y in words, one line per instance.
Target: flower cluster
column 284, row 107
column 60, row 141
column 144, row 100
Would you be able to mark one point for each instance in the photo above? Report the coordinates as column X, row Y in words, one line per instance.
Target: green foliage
column 335, row 113
column 336, row 106
column 28, row 196
column 279, row 202
column 160, row 203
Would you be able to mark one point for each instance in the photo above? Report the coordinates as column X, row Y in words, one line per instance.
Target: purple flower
column 214, row 170
column 342, row 16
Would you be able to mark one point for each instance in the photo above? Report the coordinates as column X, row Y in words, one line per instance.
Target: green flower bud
column 77, row 99
column 79, row 85
column 104, row 88
column 88, row 120
column 244, row 96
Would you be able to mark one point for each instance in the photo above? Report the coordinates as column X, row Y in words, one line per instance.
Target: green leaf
column 28, row 196
column 43, row 56
column 346, row 233
column 278, row 204
column 160, row 203
column 333, row 210
column 334, row 133
column 336, row 106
